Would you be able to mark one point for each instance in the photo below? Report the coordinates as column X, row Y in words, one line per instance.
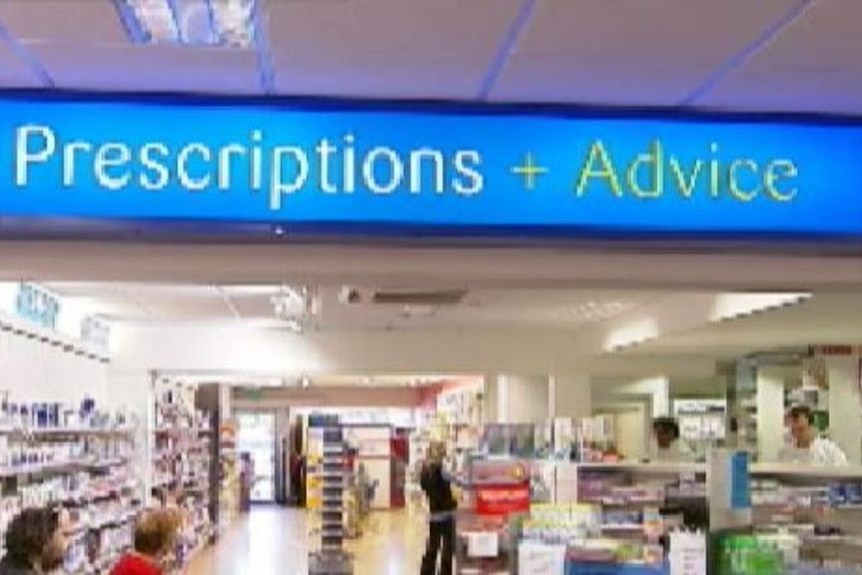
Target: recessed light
column 228, row 23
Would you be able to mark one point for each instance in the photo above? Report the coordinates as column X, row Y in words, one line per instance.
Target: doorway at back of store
column 257, row 447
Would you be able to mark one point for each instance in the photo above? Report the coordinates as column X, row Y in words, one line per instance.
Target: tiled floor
column 275, row 541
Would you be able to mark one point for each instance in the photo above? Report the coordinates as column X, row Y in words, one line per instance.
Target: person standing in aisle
column 806, row 442
column 36, row 542
column 436, row 483
column 155, row 535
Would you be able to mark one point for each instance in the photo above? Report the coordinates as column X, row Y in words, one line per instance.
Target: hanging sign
column 379, row 169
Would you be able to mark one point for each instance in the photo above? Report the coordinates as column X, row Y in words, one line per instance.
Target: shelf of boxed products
column 80, row 459
column 333, row 477
column 810, row 515
column 182, row 439
column 569, row 538
column 611, row 517
column 606, row 483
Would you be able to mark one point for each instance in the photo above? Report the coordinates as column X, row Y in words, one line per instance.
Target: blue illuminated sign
column 480, row 170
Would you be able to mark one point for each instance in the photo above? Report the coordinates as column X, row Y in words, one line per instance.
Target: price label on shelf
column 687, row 553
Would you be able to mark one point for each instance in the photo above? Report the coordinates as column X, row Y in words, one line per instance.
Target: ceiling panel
column 148, row 302
column 483, row 309
column 142, row 68
column 814, row 65
column 387, row 48
column 13, row 72
column 253, row 306
column 647, row 52
column 380, row 76
column 79, row 20
column 826, row 318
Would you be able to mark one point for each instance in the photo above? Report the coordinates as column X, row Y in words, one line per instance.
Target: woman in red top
column 155, row 534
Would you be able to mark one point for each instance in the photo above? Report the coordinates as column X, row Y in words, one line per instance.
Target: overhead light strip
column 217, row 23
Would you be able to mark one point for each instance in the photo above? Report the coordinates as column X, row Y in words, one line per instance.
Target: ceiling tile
column 253, row 306
column 651, row 52
column 387, row 48
column 817, row 91
column 560, row 79
column 380, row 76
column 79, row 20
column 14, row 73
column 144, row 68
column 813, row 66
column 472, row 29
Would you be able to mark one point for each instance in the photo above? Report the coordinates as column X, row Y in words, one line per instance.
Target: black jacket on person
column 7, row 567
column 437, row 488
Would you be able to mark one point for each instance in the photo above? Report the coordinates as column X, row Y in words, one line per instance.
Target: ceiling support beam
column 507, row 48
column 741, row 58
column 263, row 49
column 133, row 27
column 23, row 53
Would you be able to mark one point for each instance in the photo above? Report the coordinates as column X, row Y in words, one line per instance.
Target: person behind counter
column 807, row 445
column 669, row 448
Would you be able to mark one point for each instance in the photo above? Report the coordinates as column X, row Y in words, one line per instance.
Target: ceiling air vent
column 434, row 298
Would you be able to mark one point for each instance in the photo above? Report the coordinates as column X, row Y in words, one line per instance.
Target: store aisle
column 274, row 541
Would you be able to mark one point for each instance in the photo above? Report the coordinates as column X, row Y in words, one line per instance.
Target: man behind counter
column 808, row 445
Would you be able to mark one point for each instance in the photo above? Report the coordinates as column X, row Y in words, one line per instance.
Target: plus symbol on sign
column 529, row 171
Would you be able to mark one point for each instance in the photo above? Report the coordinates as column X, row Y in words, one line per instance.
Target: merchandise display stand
column 486, row 530
column 811, row 515
column 81, row 459
column 614, row 519
column 331, row 558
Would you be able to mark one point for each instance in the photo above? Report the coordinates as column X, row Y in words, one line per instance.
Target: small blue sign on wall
column 37, row 305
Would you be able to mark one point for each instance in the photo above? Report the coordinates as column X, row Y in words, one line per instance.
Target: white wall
column 245, row 350
column 32, row 370
column 629, row 425
column 770, row 412
column 656, row 389
column 525, row 399
column 571, row 396
column 845, row 425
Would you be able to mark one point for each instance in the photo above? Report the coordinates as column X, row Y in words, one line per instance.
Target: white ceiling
column 771, row 55
column 833, row 318
column 824, row 318
column 480, row 309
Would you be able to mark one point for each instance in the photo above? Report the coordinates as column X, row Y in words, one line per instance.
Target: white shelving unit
column 180, row 454
column 90, row 472
column 331, row 558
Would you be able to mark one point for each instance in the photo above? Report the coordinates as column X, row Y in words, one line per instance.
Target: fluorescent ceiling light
column 229, row 23
column 631, row 334
column 730, row 306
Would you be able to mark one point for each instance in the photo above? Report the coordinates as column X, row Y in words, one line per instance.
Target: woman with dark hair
column 35, row 542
